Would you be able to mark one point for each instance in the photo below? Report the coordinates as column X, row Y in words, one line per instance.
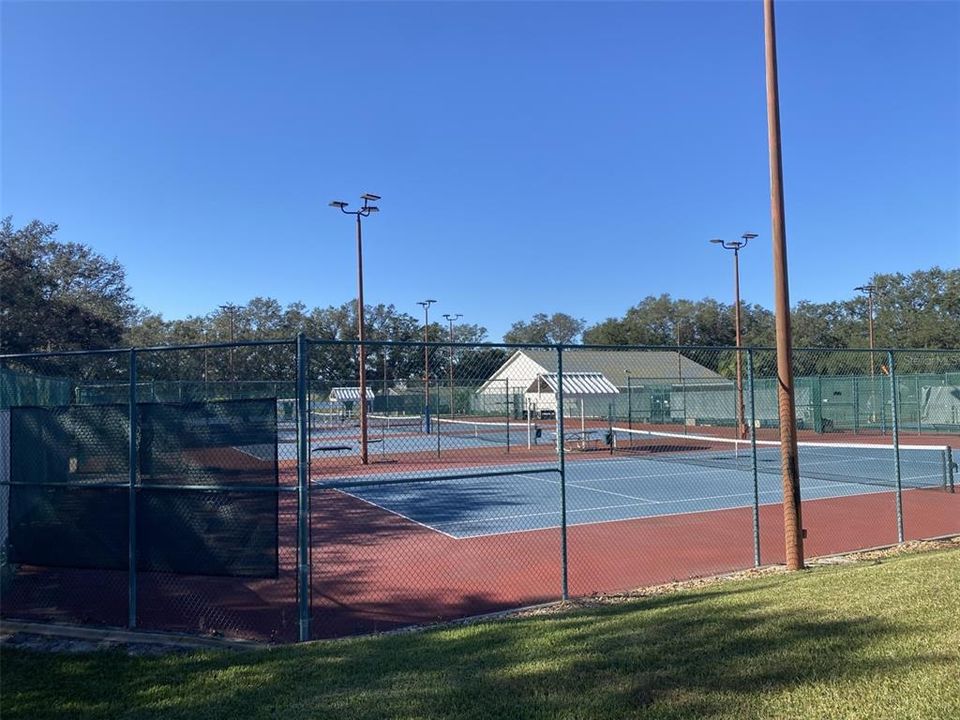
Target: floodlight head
column 717, row 241
column 867, row 288
column 748, row 236
column 338, row 204
column 370, row 197
column 371, row 209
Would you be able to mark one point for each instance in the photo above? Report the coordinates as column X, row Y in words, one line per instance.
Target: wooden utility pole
column 792, row 522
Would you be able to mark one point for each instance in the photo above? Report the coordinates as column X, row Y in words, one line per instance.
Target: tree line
column 64, row 296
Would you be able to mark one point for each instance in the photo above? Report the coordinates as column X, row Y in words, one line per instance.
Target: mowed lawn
column 866, row 640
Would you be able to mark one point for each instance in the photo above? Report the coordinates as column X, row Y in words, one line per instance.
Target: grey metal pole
column 753, row 462
column 361, row 350
column 895, row 411
column 741, row 430
column 303, row 493
column 506, row 395
column 919, row 421
column 856, row 406
column 561, row 465
column 132, row 498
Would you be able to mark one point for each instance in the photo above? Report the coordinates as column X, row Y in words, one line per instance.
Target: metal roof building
column 616, row 365
column 348, row 394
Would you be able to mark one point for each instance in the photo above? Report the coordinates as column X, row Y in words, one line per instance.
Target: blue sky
column 532, row 157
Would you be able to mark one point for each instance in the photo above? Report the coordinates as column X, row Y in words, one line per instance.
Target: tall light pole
column 232, row 310
column 871, row 291
column 363, row 212
column 679, row 365
column 786, row 402
column 450, row 318
column 737, row 246
column 426, row 364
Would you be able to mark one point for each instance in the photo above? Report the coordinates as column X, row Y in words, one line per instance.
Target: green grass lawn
column 868, row 640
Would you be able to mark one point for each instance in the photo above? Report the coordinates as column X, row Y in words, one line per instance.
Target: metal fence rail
column 250, row 490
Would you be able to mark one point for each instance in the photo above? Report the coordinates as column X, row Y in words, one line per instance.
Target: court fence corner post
column 561, row 467
column 303, row 493
column 895, row 421
column 132, row 464
column 753, row 460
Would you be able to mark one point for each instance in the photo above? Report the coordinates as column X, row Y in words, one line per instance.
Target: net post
column 132, row 495
column 948, row 459
column 506, row 404
column 303, row 493
column 895, row 418
column 610, row 426
column 561, row 466
column 753, row 461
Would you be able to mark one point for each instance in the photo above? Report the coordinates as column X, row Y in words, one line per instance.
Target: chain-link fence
column 290, row 490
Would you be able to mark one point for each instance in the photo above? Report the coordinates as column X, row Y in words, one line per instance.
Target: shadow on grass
column 686, row 655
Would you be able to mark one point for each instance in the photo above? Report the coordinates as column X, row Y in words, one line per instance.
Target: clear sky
column 532, row 157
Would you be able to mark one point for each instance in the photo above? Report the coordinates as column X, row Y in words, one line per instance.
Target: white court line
column 684, row 474
column 591, row 489
column 398, row 514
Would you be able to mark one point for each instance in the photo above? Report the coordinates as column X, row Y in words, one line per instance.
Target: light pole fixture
column 870, row 290
column 365, row 211
column 737, row 246
column 232, row 311
column 450, row 318
column 426, row 364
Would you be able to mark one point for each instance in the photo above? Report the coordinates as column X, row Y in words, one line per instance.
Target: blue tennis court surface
column 615, row 489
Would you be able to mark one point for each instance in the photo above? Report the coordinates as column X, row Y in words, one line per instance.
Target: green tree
column 542, row 328
column 58, row 296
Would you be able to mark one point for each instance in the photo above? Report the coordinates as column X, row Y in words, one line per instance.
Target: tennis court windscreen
column 206, row 493
column 207, row 503
column 68, row 502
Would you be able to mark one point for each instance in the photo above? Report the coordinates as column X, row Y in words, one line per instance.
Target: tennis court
column 690, row 475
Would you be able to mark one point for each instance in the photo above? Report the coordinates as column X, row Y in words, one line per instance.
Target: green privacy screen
column 229, row 446
column 61, row 513
column 69, row 502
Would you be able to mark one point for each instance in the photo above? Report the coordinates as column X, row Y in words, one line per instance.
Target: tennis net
column 921, row 466
column 520, row 433
column 395, row 422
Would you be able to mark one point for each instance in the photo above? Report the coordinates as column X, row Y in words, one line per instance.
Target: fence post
column 506, row 395
column 856, row 405
column 753, row 462
column 303, row 492
column 132, row 497
column 895, row 412
column 919, row 421
column 561, row 466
